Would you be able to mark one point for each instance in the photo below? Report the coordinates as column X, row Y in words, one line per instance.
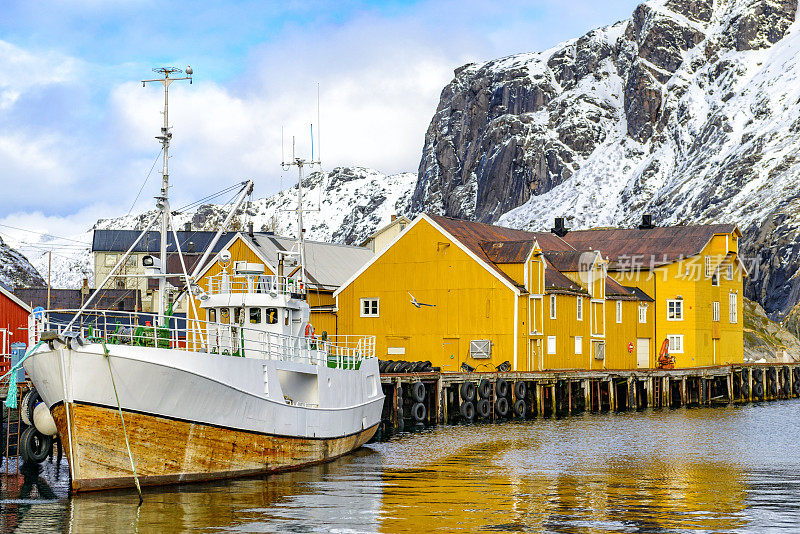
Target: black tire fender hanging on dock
column 34, row 446
column 758, row 389
column 520, row 389
column 501, row 388
column 468, row 392
column 484, row 408
column 745, row 389
column 796, row 387
column 28, row 404
column 467, row 410
column 521, row 408
column 418, row 391
column 501, row 406
column 418, row 412
column 484, row 389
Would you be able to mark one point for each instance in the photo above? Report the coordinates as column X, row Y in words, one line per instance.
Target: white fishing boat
column 159, row 399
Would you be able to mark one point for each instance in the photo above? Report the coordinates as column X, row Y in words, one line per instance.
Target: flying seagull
column 418, row 304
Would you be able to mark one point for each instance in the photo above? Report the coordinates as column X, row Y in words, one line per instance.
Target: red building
column 13, row 320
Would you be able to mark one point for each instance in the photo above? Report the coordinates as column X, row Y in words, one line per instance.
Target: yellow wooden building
column 328, row 265
column 457, row 292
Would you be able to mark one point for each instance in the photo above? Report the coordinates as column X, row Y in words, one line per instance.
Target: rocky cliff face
column 16, row 270
column 687, row 111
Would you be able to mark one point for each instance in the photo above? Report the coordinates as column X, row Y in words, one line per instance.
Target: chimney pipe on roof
column 250, row 228
column 647, row 222
column 559, row 228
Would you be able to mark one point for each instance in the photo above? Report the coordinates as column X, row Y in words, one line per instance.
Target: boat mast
column 300, row 163
column 163, row 200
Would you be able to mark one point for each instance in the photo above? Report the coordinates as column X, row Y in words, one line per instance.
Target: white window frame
column 552, row 306
column 730, row 271
column 678, row 310
column 578, row 344
column 551, row 345
column 733, row 307
column 679, row 339
column 579, row 309
column 373, row 311
column 715, row 278
column 619, row 311
column 715, row 311
column 642, row 313
column 110, row 260
column 708, row 266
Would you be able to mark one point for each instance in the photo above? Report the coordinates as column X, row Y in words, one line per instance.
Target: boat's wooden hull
column 168, row 451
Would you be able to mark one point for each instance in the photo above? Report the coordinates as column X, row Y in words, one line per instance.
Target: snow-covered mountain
column 345, row 205
column 688, row 111
column 16, row 270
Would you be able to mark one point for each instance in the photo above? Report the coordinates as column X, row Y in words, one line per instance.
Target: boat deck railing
column 225, row 283
column 212, row 338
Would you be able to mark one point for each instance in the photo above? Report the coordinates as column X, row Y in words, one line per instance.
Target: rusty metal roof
column 571, row 261
column 654, row 247
column 615, row 289
column 507, row 251
column 555, row 280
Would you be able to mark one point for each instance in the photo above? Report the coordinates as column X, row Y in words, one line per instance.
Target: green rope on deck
column 11, row 397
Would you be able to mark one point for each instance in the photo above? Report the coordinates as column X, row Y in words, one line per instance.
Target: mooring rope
column 124, row 430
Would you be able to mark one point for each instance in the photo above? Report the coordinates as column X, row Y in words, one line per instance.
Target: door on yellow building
column 535, row 362
column 643, row 353
column 451, row 358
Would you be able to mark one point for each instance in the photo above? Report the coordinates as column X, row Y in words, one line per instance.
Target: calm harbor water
column 732, row 469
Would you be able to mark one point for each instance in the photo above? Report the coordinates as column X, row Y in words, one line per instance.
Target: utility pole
column 49, row 270
column 163, row 200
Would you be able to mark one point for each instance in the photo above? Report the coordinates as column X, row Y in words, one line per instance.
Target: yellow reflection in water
column 480, row 489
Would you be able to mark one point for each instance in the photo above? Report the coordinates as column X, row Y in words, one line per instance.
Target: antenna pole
column 163, row 199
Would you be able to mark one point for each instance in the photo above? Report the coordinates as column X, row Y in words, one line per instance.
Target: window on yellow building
column 675, row 343
column 552, row 306
column 674, row 310
column 733, row 307
column 578, row 345
column 708, row 266
column 715, row 277
column 642, row 313
column 551, row 344
column 370, row 307
column 730, row 271
column 715, row 311
column 580, row 308
column 619, row 311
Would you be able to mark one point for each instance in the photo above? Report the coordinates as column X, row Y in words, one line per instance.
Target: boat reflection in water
column 714, row 470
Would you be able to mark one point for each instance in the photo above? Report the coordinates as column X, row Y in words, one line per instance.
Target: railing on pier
column 223, row 339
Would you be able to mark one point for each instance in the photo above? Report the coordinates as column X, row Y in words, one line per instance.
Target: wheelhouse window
column 212, row 316
column 255, row 315
column 370, row 307
column 271, row 316
column 675, row 310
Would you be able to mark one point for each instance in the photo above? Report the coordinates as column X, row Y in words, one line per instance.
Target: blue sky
column 76, row 127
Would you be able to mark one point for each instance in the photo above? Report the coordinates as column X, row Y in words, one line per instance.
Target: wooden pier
column 426, row 399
